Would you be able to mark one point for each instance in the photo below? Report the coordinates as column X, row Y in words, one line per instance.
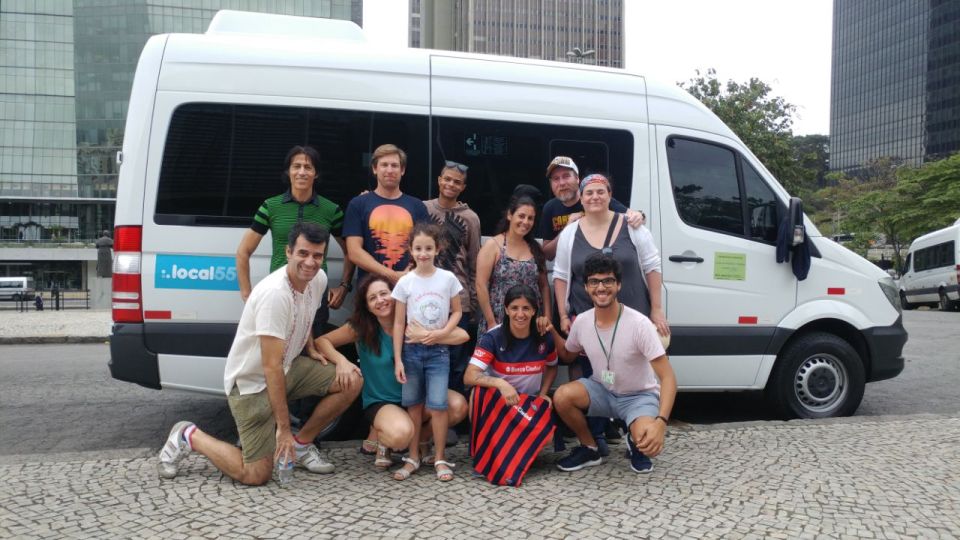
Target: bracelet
column 346, row 285
column 665, row 422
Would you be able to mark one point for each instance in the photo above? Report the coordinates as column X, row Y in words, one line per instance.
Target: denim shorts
column 628, row 408
column 427, row 368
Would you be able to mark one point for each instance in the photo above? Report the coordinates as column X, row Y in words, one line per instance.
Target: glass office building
column 37, row 122
column 66, row 69
column 587, row 31
column 895, row 81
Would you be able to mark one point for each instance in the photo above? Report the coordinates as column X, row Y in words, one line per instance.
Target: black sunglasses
column 454, row 165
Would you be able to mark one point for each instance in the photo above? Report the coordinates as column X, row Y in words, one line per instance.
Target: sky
column 784, row 43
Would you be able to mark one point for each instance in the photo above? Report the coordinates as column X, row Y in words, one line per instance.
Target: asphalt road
column 61, row 399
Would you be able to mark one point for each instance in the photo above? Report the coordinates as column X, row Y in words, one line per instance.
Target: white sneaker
column 310, row 459
column 173, row 451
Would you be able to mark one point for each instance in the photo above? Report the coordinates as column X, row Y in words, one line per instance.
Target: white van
column 16, row 288
column 211, row 117
column 931, row 270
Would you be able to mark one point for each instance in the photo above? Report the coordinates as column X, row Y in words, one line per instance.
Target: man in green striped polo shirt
column 280, row 213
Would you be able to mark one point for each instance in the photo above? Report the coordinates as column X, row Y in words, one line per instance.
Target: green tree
column 812, row 154
column 930, row 195
column 761, row 120
column 874, row 213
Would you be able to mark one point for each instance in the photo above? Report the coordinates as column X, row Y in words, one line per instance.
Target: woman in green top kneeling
column 370, row 328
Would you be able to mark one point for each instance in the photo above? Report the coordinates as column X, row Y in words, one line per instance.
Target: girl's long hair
column 504, row 225
column 363, row 322
column 527, row 293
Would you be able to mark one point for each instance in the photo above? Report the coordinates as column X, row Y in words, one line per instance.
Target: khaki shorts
column 254, row 416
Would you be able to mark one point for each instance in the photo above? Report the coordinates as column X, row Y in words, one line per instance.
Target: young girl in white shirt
column 429, row 297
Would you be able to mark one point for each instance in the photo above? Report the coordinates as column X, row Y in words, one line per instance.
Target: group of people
column 436, row 313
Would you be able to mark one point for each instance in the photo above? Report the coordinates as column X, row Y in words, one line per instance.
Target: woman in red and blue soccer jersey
column 513, row 357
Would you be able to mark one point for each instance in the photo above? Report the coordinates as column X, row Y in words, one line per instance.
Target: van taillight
column 127, row 298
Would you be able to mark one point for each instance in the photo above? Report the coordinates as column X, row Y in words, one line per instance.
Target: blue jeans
column 427, row 368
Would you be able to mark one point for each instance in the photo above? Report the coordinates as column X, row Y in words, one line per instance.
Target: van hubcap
column 821, row 382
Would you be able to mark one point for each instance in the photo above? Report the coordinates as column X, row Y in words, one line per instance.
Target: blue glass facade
column 895, row 87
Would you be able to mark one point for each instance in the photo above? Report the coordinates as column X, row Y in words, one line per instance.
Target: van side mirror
column 796, row 221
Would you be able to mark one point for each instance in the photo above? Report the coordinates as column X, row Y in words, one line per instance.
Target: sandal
column 444, row 470
column 368, row 447
column 383, row 460
column 426, row 456
column 403, row 472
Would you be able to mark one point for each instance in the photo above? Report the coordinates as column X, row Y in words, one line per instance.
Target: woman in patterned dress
column 512, row 257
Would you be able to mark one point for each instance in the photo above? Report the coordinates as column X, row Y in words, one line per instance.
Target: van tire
column 903, row 302
column 818, row 375
column 946, row 304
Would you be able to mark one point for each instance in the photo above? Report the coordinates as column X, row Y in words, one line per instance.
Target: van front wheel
column 817, row 376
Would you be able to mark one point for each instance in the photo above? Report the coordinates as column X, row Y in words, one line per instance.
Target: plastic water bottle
column 284, row 472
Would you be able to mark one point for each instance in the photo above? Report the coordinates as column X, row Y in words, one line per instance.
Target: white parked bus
column 211, row 117
column 931, row 270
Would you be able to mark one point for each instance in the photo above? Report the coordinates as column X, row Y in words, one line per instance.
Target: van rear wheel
column 946, row 304
column 818, row 375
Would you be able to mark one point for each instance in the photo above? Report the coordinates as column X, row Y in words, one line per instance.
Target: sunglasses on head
column 454, row 165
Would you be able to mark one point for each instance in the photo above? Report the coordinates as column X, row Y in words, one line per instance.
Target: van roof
column 278, row 41
column 933, row 237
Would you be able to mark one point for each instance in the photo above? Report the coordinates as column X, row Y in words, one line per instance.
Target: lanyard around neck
column 616, row 325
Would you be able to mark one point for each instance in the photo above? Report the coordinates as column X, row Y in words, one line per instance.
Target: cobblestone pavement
column 886, row 477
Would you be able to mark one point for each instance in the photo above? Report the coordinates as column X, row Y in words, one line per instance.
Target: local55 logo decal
column 196, row 272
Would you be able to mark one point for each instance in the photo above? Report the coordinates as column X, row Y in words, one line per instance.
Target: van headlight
column 889, row 289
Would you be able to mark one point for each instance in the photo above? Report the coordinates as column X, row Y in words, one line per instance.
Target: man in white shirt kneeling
column 265, row 369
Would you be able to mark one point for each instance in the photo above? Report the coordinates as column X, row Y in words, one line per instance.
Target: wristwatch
column 346, row 285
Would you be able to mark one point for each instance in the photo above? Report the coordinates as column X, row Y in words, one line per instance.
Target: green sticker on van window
column 730, row 266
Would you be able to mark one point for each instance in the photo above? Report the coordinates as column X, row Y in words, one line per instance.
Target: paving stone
column 775, row 480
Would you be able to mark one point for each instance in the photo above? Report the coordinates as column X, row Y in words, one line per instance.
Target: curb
column 48, row 340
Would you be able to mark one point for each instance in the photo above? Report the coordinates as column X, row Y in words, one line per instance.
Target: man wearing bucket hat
column 565, row 206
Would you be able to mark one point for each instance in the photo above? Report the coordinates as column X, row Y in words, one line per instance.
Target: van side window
column 715, row 188
column 762, row 206
column 221, row 161
column 936, row 256
column 503, row 154
column 705, row 185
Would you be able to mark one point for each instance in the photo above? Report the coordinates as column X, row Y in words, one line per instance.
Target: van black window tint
column 503, row 154
column 221, row 161
column 763, row 208
column 705, row 185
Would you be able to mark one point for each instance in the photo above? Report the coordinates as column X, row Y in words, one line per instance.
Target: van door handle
column 683, row 258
